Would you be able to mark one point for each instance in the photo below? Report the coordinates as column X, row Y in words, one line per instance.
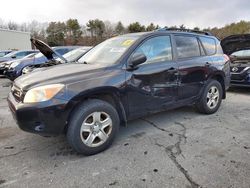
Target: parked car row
column 4, row 65
column 16, row 55
column 4, row 52
column 47, row 57
column 88, row 93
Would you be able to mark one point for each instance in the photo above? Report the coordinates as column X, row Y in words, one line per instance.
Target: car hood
column 45, row 49
column 235, row 43
column 65, row 73
column 11, row 61
column 4, row 59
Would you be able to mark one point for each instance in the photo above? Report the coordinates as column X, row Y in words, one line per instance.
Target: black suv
column 122, row 78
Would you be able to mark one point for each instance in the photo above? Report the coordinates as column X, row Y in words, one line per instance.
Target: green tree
column 182, row 26
column 73, row 30
column 241, row 27
column 136, row 27
column 119, row 28
column 196, row 29
column 152, row 27
column 56, row 33
column 91, row 27
column 96, row 27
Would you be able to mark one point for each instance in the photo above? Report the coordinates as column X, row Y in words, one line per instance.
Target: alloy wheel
column 213, row 97
column 96, row 129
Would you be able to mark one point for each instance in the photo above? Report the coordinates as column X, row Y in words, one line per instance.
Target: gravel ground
column 178, row 148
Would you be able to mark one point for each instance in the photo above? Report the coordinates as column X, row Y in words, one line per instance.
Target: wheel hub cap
column 213, row 97
column 96, row 129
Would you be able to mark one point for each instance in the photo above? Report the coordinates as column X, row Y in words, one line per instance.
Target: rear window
column 209, row 45
column 187, row 46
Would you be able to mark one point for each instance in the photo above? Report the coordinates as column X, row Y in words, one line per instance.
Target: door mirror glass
column 13, row 57
column 137, row 59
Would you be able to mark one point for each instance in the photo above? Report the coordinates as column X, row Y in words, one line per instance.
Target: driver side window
column 156, row 49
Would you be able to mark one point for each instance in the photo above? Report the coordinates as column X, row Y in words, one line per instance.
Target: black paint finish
column 134, row 92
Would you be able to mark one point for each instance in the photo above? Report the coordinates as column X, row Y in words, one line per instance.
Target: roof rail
column 184, row 30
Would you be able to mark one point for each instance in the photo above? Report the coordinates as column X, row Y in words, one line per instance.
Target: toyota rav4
column 122, row 78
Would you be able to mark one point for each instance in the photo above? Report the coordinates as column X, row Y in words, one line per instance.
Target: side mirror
column 13, row 57
column 137, row 59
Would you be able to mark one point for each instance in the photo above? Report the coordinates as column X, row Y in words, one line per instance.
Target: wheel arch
column 109, row 94
column 219, row 76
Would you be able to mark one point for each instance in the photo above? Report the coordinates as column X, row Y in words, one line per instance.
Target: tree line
column 71, row 32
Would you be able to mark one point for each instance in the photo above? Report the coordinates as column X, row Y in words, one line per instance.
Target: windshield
column 29, row 56
column 2, row 54
column 39, row 55
column 74, row 54
column 242, row 53
column 109, row 51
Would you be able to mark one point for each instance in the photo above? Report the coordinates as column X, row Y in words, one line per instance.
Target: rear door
column 153, row 84
column 193, row 66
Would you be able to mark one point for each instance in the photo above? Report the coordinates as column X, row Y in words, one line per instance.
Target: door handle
column 172, row 70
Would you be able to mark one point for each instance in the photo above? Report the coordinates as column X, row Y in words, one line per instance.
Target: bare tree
column 12, row 25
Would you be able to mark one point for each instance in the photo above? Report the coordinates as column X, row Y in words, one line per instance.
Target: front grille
column 17, row 93
column 238, row 77
column 237, row 69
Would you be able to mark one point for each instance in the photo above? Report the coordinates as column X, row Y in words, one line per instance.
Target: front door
column 153, row 84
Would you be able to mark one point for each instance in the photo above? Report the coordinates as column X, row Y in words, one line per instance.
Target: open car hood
column 235, row 43
column 45, row 49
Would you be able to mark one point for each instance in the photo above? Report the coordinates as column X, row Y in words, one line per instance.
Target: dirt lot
column 178, row 148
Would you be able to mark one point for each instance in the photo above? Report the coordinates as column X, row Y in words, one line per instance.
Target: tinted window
column 187, row 46
column 2, row 54
column 21, row 54
column 156, row 49
column 62, row 51
column 209, row 45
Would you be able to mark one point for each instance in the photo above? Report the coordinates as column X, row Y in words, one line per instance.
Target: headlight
column 13, row 65
column 42, row 93
column 26, row 70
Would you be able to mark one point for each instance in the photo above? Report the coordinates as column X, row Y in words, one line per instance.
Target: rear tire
column 92, row 127
column 211, row 98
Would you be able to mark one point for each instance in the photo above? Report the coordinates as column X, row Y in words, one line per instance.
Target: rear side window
column 187, row 46
column 209, row 45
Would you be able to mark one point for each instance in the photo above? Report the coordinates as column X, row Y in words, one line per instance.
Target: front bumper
column 47, row 118
column 241, row 77
column 2, row 69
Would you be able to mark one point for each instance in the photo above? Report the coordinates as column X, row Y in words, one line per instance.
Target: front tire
column 211, row 98
column 92, row 127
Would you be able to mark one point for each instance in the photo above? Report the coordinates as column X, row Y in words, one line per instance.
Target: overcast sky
column 163, row 12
